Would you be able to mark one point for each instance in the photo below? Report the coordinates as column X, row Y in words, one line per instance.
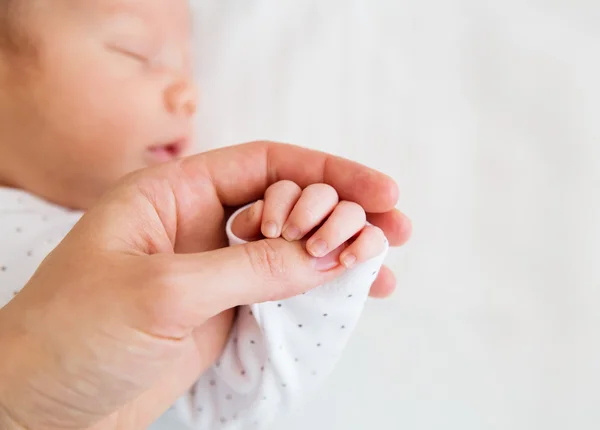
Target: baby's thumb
column 256, row 272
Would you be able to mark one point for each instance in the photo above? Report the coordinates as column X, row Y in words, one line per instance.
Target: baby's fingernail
column 328, row 262
column 348, row 260
column 318, row 248
column 269, row 229
column 291, row 233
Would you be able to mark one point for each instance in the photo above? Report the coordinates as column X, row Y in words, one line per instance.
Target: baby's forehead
column 143, row 9
column 151, row 12
column 134, row 7
column 139, row 7
column 21, row 20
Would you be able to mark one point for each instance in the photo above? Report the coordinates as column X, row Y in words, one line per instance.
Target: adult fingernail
column 348, row 260
column 318, row 248
column 291, row 233
column 270, row 229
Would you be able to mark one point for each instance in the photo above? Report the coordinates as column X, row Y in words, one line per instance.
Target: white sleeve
column 29, row 230
column 278, row 352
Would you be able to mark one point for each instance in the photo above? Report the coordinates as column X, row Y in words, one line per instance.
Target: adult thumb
column 190, row 292
column 272, row 269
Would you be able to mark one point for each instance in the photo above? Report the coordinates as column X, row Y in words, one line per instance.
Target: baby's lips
column 330, row 261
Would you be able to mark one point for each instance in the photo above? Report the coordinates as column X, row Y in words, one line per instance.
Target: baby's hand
column 293, row 213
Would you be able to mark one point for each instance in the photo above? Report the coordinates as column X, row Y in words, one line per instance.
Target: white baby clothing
column 277, row 353
column 29, row 229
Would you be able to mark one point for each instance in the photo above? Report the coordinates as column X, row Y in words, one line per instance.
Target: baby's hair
column 6, row 10
column 12, row 34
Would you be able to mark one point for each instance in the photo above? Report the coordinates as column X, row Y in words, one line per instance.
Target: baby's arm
column 279, row 352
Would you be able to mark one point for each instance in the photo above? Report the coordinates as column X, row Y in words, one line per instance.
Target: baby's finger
column 280, row 199
column 246, row 225
column 347, row 220
column 315, row 204
column 369, row 244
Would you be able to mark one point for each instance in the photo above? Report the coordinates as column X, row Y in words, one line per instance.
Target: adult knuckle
column 266, row 260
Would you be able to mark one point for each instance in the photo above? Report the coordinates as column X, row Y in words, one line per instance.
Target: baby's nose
column 180, row 98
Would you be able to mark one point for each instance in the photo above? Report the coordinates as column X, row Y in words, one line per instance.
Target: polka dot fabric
column 278, row 352
column 29, row 229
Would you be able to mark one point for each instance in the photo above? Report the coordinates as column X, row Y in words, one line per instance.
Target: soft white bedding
column 488, row 115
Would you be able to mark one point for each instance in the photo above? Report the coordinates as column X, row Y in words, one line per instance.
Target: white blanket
column 488, row 115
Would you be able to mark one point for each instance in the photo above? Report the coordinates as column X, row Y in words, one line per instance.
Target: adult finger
column 385, row 284
column 199, row 286
column 259, row 164
column 396, row 226
column 191, row 206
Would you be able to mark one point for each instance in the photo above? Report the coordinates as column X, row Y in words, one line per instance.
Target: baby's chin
column 82, row 192
column 81, row 188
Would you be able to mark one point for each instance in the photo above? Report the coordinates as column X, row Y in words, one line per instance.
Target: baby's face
column 108, row 91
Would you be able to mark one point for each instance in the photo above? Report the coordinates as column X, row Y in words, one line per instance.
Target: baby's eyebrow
column 134, row 10
column 135, row 7
column 126, row 23
column 129, row 16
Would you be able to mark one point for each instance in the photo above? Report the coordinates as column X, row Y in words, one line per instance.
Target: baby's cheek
column 124, row 121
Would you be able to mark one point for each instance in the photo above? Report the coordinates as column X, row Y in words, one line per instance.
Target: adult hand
column 126, row 313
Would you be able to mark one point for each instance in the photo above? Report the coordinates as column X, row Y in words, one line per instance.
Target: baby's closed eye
column 129, row 35
column 131, row 51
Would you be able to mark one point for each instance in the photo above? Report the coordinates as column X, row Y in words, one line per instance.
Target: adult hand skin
column 136, row 302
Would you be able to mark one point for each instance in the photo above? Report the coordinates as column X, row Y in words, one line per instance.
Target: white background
column 487, row 113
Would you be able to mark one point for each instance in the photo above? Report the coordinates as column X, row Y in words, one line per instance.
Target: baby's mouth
column 166, row 152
